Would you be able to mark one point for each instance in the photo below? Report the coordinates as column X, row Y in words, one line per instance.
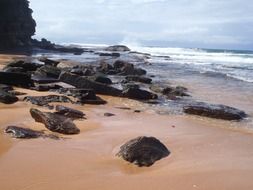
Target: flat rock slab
column 143, row 151
column 25, row 133
column 69, row 112
column 55, row 122
column 215, row 111
column 45, row 100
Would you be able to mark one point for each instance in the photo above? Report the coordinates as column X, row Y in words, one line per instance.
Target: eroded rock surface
column 143, row 151
column 55, row 122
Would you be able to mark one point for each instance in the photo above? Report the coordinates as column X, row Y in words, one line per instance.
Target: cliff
column 16, row 24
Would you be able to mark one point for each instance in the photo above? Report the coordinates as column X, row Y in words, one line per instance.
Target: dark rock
column 7, row 97
column 143, row 151
column 55, row 122
column 26, row 66
column 48, row 71
column 137, row 111
column 139, row 79
column 109, row 54
column 45, row 100
column 139, row 94
column 16, row 79
column 105, row 68
column 6, row 87
column 47, row 45
column 123, row 108
column 25, row 133
column 86, row 99
column 101, row 79
column 117, row 48
column 14, row 69
column 83, row 96
column 109, row 114
column 171, row 92
column 43, row 79
column 49, row 62
column 46, row 87
column 125, row 68
column 69, row 112
column 214, row 111
column 82, row 82
column 16, row 24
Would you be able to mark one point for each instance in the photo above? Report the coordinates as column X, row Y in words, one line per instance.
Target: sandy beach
column 205, row 154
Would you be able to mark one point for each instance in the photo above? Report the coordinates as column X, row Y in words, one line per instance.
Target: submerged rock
column 25, row 133
column 55, row 122
column 170, row 92
column 143, row 151
column 69, row 112
column 214, row 111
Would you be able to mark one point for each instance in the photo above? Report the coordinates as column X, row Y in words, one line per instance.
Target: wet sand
column 205, row 153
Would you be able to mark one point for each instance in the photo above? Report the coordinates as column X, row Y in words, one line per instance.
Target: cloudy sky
column 174, row 23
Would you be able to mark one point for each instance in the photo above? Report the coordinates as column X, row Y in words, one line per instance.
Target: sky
column 219, row 24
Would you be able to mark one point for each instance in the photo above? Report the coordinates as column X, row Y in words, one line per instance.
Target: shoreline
column 204, row 154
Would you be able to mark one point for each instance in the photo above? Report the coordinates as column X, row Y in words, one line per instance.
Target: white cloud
column 199, row 22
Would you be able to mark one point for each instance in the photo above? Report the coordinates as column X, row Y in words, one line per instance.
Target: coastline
column 205, row 155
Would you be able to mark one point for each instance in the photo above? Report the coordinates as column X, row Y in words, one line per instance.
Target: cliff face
column 16, row 24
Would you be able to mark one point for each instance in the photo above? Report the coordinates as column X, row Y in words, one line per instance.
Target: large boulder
column 16, row 79
column 82, row 82
column 143, row 151
column 55, row 122
column 16, row 24
column 214, row 111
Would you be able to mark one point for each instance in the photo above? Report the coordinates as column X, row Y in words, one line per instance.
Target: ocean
column 214, row 76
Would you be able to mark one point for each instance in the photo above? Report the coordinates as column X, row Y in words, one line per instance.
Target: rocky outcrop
column 143, row 151
column 16, row 24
